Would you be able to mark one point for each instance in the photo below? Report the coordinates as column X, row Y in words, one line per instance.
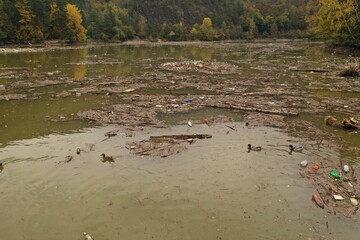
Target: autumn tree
column 26, row 27
column 337, row 20
column 76, row 31
column 207, row 31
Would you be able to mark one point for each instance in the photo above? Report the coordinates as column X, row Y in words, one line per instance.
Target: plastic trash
column 129, row 90
column 189, row 123
column 304, row 163
column 315, row 168
column 334, row 174
column 317, row 200
column 354, row 202
column 338, row 197
column 189, row 100
column 346, row 168
column 87, row 236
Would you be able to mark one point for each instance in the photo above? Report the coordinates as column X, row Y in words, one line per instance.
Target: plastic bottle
column 334, row 174
column 317, row 200
column 87, row 236
column 304, row 163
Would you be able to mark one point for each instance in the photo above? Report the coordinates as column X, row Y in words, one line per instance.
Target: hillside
column 31, row 21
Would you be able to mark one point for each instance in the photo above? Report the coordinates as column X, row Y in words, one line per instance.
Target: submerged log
column 236, row 107
column 309, row 70
column 182, row 136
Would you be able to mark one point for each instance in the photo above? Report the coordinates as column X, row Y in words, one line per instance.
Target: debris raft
column 123, row 115
column 346, row 123
column 164, row 146
column 208, row 67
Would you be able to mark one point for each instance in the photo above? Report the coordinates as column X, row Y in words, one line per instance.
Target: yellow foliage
column 77, row 32
column 334, row 19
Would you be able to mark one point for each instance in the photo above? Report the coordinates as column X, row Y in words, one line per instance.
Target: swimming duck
column 106, row 158
column 254, row 148
column 296, row 149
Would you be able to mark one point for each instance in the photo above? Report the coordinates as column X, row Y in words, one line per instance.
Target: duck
column 296, row 149
column 106, row 158
column 254, row 148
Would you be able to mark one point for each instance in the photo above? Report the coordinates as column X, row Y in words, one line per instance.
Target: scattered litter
column 129, row 90
column 315, row 168
column 354, row 202
column 317, row 200
column 165, row 145
column 346, row 168
column 338, row 197
column 334, row 174
column 304, row 163
column 87, row 236
column 190, row 123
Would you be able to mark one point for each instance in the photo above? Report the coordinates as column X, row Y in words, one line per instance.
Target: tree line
column 35, row 21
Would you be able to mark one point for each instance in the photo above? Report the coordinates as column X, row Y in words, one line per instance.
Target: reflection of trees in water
column 79, row 55
column 202, row 53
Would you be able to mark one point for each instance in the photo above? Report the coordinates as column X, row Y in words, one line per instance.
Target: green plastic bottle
column 334, row 174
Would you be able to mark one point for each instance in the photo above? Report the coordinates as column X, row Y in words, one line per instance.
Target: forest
column 36, row 21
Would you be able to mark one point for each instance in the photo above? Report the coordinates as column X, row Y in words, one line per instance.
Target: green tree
column 57, row 19
column 76, row 31
column 96, row 20
column 3, row 22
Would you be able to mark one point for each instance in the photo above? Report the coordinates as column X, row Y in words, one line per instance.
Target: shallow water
column 258, row 61
column 213, row 190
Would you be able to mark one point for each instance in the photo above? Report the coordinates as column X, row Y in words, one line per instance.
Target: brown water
column 213, row 190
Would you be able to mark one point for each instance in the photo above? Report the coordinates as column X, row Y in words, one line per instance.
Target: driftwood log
column 183, row 137
column 275, row 112
column 309, row 70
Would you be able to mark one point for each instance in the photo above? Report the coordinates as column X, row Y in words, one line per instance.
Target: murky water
column 213, row 190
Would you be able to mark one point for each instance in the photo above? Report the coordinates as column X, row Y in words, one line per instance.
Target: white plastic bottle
column 87, row 236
